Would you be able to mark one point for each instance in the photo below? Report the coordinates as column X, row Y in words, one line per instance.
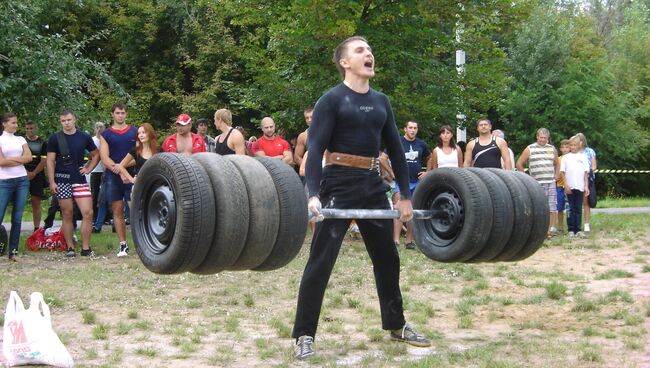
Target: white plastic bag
column 28, row 335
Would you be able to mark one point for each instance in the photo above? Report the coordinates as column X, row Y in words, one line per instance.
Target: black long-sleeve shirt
column 354, row 123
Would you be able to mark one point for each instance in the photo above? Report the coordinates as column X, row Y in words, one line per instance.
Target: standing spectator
column 35, row 170
column 66, row 174
column 145, row 147
column 544, row 167
column 446, row 154
column 202, row 130
column 14, row 185
column 487, row 150
column 350, row 120
column 499, row 133
column 115, row 143
column 247, row 142
column 303, row 139
column 593, row 166
column 417, row 154
column 559, row 188
column 575, row 173
column 96, row 177
column 269, row 144
column 230, row 141
column 184, row 141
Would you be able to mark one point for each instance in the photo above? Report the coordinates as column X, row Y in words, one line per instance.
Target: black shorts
column 37, row 185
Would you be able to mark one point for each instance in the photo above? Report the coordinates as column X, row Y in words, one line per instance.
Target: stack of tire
column 210, row 213
column 493, row 215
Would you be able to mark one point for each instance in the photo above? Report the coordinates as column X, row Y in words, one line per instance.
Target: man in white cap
column 184, row 141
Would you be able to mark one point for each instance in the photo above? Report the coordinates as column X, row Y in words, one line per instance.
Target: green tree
column 562, row 81
column 42, row 73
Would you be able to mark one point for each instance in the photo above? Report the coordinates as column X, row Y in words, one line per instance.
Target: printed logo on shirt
column 366, row 108
column 411, row 155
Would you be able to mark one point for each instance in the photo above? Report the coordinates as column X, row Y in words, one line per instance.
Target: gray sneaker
column 303, row 347
column 408, row 335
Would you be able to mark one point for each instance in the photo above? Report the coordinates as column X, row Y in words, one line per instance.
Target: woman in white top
column 446, row 154
column 14, row 185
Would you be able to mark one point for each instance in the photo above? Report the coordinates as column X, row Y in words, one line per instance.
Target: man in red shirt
column 184, row 141
column 269, row 144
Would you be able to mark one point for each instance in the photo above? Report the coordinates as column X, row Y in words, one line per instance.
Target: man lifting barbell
column 350, row 120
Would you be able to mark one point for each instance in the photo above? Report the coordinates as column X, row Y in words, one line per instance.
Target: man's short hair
column 99, row 125
column 224, row 115
column 119, row 105
column 309, row 109
column 341, row 49
column 31, row 123
column 202, row 121
column 483, row 119
column 65, row 112
column 564, row 142
column 410, row 121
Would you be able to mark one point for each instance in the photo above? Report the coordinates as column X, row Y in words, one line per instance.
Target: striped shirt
column 541, row 162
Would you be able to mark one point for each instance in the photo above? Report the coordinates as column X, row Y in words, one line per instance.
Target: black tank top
column 222, row 148
column 486, row 156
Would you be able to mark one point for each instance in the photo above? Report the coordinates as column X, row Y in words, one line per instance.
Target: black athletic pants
column 95, row 182
column 347, row 188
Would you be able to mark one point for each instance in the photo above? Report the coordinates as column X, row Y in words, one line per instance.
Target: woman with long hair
column 14, row 185
column 145, row 146
column 446, row 154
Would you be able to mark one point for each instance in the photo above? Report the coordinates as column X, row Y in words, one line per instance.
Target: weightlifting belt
column 360, row 162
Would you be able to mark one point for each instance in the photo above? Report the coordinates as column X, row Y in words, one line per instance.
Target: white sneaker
column 587, row 228
column 124, row 250
column 572, row 234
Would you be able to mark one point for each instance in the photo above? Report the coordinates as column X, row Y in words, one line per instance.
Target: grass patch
column 617, row 295
column 623, row 202
column 584, row 305
column 645, row 269
column 555, row 290
column 100, row 331
column 590, row 353
column 614, row 274
column 89, row 317
column 146, row 351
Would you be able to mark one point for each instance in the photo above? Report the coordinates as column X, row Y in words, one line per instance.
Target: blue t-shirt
column 120, row 142
column 78, row 144
column 416, row 153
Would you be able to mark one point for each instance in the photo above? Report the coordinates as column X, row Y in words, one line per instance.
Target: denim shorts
column 115, row 189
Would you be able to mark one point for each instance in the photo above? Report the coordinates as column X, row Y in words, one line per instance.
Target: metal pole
column 332, row 213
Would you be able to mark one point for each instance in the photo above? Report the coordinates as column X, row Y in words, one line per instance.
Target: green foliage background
column 570, row 66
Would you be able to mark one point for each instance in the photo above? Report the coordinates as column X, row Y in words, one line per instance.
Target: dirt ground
column 242, row 319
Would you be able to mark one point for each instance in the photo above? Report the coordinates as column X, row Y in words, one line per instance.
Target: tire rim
column 159, row 218
column 445, row 229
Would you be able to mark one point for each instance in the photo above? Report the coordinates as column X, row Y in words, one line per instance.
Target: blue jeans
column 574, row 218
column 14, row 190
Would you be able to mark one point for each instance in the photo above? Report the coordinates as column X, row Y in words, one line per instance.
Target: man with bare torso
column 184, row 141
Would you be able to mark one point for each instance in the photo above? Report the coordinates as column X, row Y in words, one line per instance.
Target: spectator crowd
column 91, row 178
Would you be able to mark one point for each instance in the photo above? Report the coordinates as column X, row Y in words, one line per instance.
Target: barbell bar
column 367, row 214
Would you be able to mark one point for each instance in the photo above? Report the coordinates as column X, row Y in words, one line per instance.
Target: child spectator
column 559, row 188
column 575, row 173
